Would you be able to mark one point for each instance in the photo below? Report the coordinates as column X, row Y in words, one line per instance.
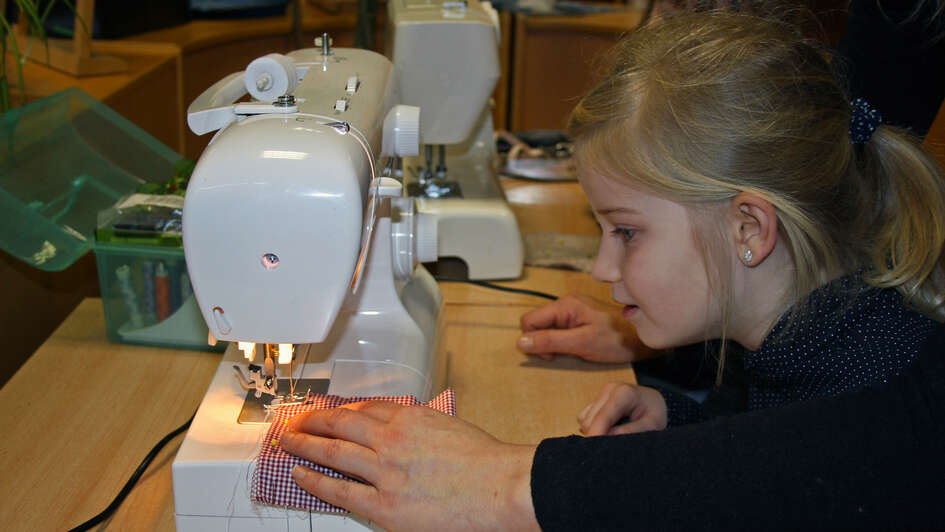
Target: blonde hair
column 699, row 107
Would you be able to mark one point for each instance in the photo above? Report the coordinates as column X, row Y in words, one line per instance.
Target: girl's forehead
column 601, row 186
column 613, row 196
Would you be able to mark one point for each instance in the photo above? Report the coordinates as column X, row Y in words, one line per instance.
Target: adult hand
column 644, row 407
column 580, row 326
column 424, row 470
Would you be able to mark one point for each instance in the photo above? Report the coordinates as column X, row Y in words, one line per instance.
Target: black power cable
column 498, row 287
column 133, row 480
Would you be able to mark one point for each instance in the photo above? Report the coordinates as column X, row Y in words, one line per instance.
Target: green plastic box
column 148, row 298
column 63, row 159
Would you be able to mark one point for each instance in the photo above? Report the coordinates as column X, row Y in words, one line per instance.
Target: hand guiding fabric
column 423, row 469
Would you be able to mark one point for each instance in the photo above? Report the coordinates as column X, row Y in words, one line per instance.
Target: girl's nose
column 606, row 268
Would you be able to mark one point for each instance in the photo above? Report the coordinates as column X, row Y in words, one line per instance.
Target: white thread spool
column 270, row 76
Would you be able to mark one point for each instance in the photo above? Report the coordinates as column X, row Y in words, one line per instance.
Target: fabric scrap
column 272, row 479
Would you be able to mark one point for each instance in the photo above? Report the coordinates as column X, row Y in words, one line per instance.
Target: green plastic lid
column 63, row 159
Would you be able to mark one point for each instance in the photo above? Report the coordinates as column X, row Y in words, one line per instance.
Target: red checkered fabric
column 272, row 479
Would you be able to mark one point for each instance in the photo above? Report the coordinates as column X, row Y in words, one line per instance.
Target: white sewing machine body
column 446, row 56
column 273, row 236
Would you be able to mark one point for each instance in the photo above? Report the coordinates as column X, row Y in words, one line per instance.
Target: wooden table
column 82, row 412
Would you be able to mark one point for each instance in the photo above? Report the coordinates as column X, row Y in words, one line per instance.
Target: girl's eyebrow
column 619, row 210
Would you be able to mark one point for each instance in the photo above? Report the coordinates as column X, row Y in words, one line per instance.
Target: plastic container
column 63, row 160
column 148, row 298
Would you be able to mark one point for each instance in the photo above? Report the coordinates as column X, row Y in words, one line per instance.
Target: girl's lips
column 628, row 311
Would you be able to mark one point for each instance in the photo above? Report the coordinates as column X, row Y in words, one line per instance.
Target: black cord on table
column 498, row 287
column 133, row 480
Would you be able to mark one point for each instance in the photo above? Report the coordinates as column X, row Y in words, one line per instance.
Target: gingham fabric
column 272, row 479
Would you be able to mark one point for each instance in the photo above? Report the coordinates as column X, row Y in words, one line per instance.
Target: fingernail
column 526, row 342
column 298, row 473
column 583, row 413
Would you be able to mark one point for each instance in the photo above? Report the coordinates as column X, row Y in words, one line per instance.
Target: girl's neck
column 762, row 295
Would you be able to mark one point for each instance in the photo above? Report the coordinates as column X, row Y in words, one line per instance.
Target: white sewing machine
column 446, row 56
column 303, row 255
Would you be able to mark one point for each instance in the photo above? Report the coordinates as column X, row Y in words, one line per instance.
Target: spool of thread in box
column 127, row 288
column 147, row 288
column 162, row 292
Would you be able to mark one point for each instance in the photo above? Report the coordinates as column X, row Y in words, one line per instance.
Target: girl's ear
column 754, row 227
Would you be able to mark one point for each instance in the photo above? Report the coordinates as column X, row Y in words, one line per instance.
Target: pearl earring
column 747, row 256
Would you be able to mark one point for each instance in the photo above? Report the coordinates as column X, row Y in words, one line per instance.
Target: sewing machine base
column 384, row 342
column 213, row 469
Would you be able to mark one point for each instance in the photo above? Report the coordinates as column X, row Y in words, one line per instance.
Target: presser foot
column 259, row 382
column 255, row 409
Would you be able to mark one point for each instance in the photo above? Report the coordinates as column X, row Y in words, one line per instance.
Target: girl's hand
column 644, row 407
column 579, row 325
column 423, row 470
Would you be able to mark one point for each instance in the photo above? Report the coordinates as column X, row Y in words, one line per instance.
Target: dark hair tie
column 863, row 121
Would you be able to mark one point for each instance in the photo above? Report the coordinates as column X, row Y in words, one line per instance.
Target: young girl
column 737, row 203
column 742, row 197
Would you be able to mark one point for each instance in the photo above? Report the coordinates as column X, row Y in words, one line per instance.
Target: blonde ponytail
column 909, row 219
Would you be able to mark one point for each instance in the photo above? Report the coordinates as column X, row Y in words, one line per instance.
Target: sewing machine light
column 248, row 349
column 285, row 353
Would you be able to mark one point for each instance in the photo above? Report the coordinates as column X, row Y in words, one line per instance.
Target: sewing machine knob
column 223, row 324
column 413, row 237
column 401, row 136
column 426, row 238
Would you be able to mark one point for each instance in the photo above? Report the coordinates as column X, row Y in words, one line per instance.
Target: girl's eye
column 623, row 233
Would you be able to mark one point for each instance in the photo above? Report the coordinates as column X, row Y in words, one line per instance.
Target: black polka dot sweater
column 870, row 459
column 847, row 335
